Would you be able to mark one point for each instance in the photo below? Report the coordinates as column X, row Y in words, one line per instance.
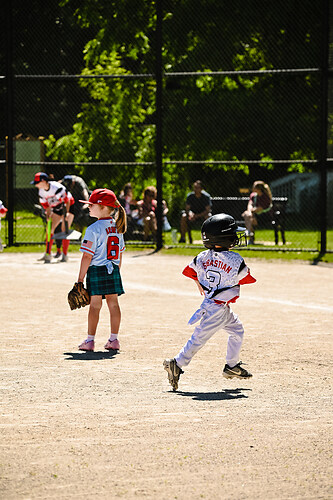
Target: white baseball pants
column 213, row 317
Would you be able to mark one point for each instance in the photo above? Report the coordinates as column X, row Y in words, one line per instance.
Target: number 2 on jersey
column 113, row 247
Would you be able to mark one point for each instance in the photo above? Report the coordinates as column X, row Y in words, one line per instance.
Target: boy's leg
column 234, row 327
column 233, row 367
column 211, row 322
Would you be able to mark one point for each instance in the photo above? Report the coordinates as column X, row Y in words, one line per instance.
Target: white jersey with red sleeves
column 56, row 195
column 220, row 274
column 104, row 243
column 3, row 209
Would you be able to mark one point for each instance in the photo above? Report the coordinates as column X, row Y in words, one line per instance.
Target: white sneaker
column 64, row 258
column 47, row 258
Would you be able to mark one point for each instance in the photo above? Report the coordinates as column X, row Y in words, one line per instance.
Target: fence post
column 324, row 125
column 159, row 123
column 9, row 123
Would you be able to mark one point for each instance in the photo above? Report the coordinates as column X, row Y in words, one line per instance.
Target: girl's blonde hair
column 121, row 217
column 264, row 187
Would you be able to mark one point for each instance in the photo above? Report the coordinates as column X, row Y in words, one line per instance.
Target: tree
column 206, row 117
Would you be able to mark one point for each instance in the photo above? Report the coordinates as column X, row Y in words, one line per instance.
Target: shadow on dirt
column 215, row 396
column 88, row 356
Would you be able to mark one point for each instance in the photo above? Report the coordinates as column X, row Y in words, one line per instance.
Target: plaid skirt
column 100, row 282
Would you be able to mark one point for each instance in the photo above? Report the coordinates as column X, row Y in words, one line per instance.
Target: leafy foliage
column 226, row 117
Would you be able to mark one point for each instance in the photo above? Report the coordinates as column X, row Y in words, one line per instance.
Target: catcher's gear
column 78, row 296
column 222, row 230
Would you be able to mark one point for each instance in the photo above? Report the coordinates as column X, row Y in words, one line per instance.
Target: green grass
column 29, row 228
column 300, row 245
column 265, row 239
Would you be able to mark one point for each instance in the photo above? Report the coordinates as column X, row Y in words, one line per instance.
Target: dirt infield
column 79, row 426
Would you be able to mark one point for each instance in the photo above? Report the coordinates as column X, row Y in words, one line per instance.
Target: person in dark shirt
column 198, row 207
column 79, row 189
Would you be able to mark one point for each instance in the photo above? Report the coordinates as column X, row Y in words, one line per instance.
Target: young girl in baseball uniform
column 57, row 202
column 218, row 273
column 102, row 248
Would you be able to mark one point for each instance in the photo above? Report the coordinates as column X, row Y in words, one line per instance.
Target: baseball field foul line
column 169, row 291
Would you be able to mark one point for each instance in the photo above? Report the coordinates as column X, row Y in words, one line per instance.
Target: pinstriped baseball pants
column 213, row 318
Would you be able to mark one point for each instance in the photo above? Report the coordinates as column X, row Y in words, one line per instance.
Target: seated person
column 145, row 213
column 166, row 223
column 126, row 199
column 129, row 204
column 198, row 207
column 259, row 203
column 145, row 216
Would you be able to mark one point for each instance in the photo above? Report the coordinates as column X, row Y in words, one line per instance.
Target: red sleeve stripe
column 87, row 250
column 247, row 280
column 190, row 273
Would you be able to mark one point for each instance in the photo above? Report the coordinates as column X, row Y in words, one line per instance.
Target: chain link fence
column 240, row 99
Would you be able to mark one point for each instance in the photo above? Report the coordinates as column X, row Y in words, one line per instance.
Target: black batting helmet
column 222, row 230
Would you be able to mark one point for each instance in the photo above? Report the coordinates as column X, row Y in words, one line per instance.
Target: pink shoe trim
column 87, row 345
column 112, row 346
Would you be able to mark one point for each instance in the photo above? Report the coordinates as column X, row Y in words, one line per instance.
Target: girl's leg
column 65, row 243
column 55, row 221
column 70, row 220
column 248, row 220
column 115, row 313
column 93, row 315
column 149, row 226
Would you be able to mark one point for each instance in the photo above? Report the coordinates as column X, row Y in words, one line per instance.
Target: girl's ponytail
column 121, row 220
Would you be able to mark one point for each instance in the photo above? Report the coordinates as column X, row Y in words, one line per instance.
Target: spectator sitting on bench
column 198, row 207
column 145, row 216
column 259, row 203
column 126, row 199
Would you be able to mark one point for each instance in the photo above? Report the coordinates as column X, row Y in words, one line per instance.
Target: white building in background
column 300, row 187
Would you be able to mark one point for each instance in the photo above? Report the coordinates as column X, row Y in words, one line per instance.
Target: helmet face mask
column 221, row 230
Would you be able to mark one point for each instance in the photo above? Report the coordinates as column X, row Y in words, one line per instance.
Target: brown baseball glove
column 78, row 296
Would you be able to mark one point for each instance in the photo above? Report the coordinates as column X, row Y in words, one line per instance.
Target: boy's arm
column 189, row 272
column 85, row 263
column 247, row 280
column 200, row 288
column 244, row 275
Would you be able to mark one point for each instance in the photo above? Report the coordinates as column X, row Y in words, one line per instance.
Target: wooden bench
column 236, row 205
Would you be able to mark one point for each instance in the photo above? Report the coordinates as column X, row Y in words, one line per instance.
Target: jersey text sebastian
column 217, row 263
